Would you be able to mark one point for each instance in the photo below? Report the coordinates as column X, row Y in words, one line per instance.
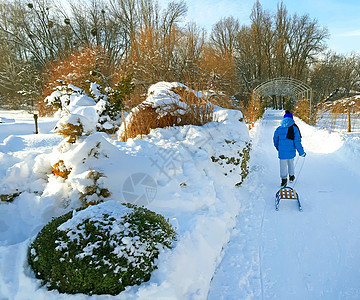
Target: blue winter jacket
column 287, row 147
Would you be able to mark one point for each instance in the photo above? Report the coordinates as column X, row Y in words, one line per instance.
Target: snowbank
column 319, row 140
column 170, row 171
column 323, row 141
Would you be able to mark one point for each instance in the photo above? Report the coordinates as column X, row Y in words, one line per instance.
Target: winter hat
column 288, row 114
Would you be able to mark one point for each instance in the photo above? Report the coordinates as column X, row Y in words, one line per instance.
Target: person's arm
column 276, row 139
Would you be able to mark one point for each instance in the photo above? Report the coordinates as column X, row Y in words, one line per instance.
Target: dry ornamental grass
column 197, row 111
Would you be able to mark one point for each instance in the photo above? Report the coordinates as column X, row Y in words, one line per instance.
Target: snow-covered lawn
column 286, row 254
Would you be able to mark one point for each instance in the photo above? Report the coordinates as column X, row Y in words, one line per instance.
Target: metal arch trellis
column 284, row 86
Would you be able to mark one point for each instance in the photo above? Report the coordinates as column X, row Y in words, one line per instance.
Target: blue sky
column 341, row 17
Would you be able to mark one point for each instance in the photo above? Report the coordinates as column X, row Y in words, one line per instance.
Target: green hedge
column 101, row 249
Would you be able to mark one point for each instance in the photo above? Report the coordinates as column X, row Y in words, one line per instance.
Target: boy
column 287, row 139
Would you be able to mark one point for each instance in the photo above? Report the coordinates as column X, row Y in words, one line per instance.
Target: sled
column 287, row 193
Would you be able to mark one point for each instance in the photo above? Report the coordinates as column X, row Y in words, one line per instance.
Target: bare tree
column 257, row 17
column 281, row 30
column 153, row 51
column 351, row 74
column 305, row 40
column 336, row 76
column 245, row 60
column 190, row 49
column 223, row 35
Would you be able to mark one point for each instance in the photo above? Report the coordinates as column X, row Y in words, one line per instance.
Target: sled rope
column 297, row 176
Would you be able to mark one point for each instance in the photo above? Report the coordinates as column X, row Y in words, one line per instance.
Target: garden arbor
column 282, row 88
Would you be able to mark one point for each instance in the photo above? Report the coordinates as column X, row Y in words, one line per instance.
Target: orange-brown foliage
column 253, row 110
column 219, row 70
column 76, row 70
column 146, row 118
column 151, row 55
column 199, row 112
column 71, row 131
column 302, row 110
column 59, row 169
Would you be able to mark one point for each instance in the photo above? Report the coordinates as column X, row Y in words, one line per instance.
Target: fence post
column 349, row 120
column 36, row 123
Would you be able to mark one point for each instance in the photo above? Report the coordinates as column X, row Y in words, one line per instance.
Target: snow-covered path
column 288, row 254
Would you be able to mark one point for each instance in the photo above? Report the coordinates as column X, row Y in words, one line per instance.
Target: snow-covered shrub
column 101, row 249
column 94, row 193
column 121, row 92
column 107, row 112
column 70, row 129
column 78, row 174
column 59, row 169
column 245, row 162
column 167, row 104
column 95, row 112
column 9, row 197
column 231, row 160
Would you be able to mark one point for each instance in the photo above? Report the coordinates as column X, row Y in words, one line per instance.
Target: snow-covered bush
column 80, row 174
column 245, row 162
column 72, row 128
column 59, row 169
column 119, row 95
column 108, row 112
column 9, row 197
column 94, row 193
column 94, row 111
column 230, row 160
column 167, row 104
column 101, row 249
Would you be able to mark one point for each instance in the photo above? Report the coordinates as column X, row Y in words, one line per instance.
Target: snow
column 339, row 122
column 288, row 254
column 231, row 243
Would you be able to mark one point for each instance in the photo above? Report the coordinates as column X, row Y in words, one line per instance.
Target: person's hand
column 303, row 155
